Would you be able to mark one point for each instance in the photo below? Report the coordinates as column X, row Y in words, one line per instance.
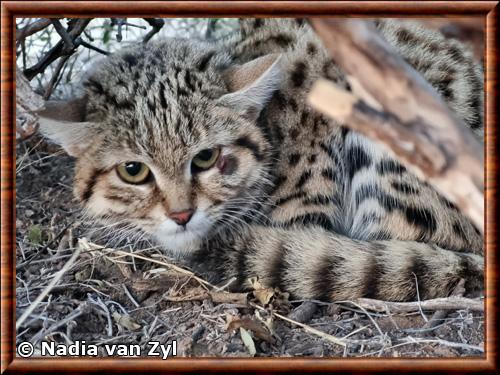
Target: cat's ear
column 63, row 122
column 252, row 84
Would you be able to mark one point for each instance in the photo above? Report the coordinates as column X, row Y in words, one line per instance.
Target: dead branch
column 27, row 103
column 413, row 340
column 54, row 80
column 310, row 329
column 32, row 28
column 75, row 28
column 92, row 47
column 410, row 117
column 156, row 24
column 448, row 303
column 82, row 309
column 68, row 41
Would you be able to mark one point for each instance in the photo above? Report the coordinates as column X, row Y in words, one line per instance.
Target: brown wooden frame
column 12, row 9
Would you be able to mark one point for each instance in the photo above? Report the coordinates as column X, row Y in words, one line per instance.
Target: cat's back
column 334, row 178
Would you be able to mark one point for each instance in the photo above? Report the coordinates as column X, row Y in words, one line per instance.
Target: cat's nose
column 182, row 217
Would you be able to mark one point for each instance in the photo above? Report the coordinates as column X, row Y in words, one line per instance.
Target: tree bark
column 27, row 103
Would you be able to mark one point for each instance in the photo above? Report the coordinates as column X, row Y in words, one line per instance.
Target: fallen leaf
column 260, row 292
column 255, row 283
column 260, row 331
column 264, row 295
column 248, row 341
column 125, row 321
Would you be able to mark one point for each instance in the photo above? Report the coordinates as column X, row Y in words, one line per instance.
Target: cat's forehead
column 161, row 71
column 159, row 94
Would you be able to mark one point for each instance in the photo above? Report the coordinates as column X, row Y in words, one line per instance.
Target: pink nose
column 181, row 217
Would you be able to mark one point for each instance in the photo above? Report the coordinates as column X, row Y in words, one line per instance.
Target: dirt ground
column 106, row 297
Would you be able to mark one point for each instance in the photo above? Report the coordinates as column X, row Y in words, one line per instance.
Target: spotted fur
column 297, row 200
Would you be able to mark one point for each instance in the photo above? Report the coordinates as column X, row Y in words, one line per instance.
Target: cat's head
column 166, row 139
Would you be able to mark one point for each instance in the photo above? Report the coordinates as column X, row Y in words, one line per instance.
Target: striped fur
column 299, row 201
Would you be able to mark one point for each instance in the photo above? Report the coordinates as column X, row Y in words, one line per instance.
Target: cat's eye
column 205, row 159
column 133, row 172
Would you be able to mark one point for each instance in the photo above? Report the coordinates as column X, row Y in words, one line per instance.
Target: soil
column 108, row 298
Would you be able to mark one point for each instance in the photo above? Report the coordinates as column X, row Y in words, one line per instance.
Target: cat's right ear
column 252, row 84
column 63, row 122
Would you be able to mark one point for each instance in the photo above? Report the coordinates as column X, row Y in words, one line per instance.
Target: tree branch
column 92, row 47
column 410, row 117
column 448, row 303
column 27, row 103
column 68, row 42
column 156, row 24
column 32, row 28
column 54, row 80
column 75, row 28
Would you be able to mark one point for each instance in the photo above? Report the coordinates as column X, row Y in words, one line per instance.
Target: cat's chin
column 182, row 241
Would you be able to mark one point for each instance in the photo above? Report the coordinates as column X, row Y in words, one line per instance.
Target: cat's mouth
column 183, row 238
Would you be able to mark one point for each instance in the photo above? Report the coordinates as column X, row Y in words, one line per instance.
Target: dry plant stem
column 82, row 309
column 85, row 245
column 413, row 340
column 448, row 303
column 48, row 288
column 412, row 119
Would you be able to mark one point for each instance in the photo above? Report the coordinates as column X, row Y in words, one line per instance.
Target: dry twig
column 82, row 309
column 48, row 288
column 156, row 24
column 448, row 303
column 413, row 340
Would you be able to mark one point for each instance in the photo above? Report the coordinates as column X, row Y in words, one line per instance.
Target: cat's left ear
column 63, row 122
column 252, row 84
